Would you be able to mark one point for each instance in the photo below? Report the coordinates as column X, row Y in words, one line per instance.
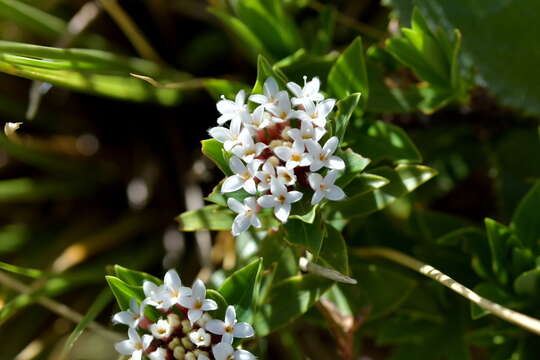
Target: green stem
column 504, row 313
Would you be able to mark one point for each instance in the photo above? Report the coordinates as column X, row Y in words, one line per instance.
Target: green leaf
column 380, row 141
column 124, row 292
column 101, row 302
column 219, row 198
column 33, row 273
column 305, row 235
column 219, row 313
column 346, row 108
column 499, row 244
column 364, row 183
column 89, row 71
column 528, row 283
column 354, row 164
column 403, row 179
column 334, row 251
column 525, row 220
column 288, row 300
column 135, row 278
column 241, row 289
column 213, row 149
column 302, row 63
column 264, row 71
column 348, row 75
column 32, row 18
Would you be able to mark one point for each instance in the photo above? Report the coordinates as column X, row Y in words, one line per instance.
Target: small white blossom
column 310, row 91
column 159, row 354
column 155, row 295
column 161, row 329
column 247, row 215
column 229, row 137
column 281, row 200
column 200, row 337
column 224, row 351
column 323, row 156
column 230, row 110
column 293, row 156
column 173, row 289
column 286, row 176
column 135, row 345
column 204, row 319
column 271, row 91
column 132, row 316
column 230, row 328
column 259, row 119
column 243, row 177
column 248, row 149
column 306, row 132
column 265, row 176
column 324, row 187
column 197, row 302
column 317, row 113
column 283, row 110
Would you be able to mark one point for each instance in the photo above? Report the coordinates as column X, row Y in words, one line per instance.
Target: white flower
column 310, row 91
column 259, row 119
column 267, row 173
column 204, row 319
column 307, row 132
column 324, row 187
column 200, row 337
column 324, row 156
column 229, row 109
column 243, row 177
column 286, row 176
column 135, row 345
column 280, row 200
column 293, row 156
column 271, row 91
column 247, row 215
column 161, row 329
column 283, row 110
column 159, row 354
column 197, row 303
column 173, row 289
column 132, row 316
column 317, row 113
column 230, row 329
column 248, row 149
column 155, row 295
column 229, row 137
column 224, row 351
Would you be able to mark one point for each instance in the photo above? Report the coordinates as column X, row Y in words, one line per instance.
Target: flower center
column 161, row 331
column 296, row 157
column 250, row 152
column 283, row 115
column 229, row 329
column 307, row 136
column 138, row 346
column 282, row 198
column 287, row 177
column 322, row 157
column 197, row 305
column 135, row 316
column 245, row 175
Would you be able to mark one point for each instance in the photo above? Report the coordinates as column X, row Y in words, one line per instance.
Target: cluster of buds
column 276, row 150
column 185, row 330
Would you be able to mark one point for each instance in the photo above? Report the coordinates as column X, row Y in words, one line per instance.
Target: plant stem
column 131, row 30
column 56, row 307
column 504, row 313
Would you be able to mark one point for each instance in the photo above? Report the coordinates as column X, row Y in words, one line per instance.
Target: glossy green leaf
column 403, row 179
column 525, row 220
column 287, row 301
column 211, row 217
column 90, row 71
column 346, row 108
column 334, row 252
column 306, row 235
column 219, row 313
column 124, row 292
column 500, row 245
column 354, row 164
column 219, row 198
column 135, row 278
column 380, row 141
column 364, row 183
column 264, row 71
column 213, row 149
column 241, row 289
column 33, row 273
column 101, row 302
column 349, row 75
column 32, row 18
column 528, row 283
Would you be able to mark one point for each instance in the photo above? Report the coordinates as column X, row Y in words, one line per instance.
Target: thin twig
column 183, row 85
column 504, row 313
column 130, row 29
column 57, row 307
column 351, row 22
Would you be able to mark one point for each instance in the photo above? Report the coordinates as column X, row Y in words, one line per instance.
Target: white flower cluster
column 276, row 150
column 184, row 331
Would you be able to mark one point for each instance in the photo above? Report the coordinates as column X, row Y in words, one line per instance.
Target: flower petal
column 216, row 327
column 146, row 341
column 315, row 181
column 232, row 183
column 123, row 317
column 220, row 133
column 266, row 201
column 258, row 99
column 226, row 106
column 172, row 280
column 230, row 315
column 198, row 290
column 317, row 197
column 186, row 301
column 209, row 305
column 237, row 166
column 250, row 186
column 282, row 212
column 243, row 355
column 270, row 86
column 222, row 351
column 294, row 88
column 124, row 347
column 335, row 193
column 243, row 330
column 240, row 224
column 235, row 205
column 331, row 145
column 336, row 163
column 294, row 196
column 194, row 315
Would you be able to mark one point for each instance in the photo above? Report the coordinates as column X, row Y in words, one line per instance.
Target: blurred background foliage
column 95, row 164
